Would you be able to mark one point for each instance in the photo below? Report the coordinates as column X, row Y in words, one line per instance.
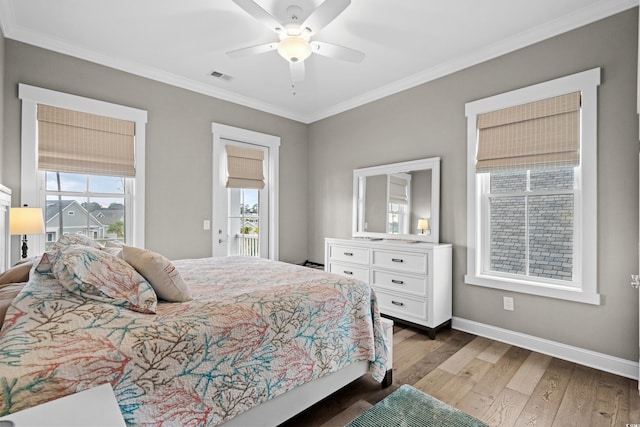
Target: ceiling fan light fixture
column 294, row 49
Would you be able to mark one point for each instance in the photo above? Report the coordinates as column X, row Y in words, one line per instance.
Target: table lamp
column 423, row 224
column 23, row 221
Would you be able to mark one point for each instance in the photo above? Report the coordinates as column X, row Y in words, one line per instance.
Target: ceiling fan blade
column 297, row 71
column 255, row 10
column 324, row 14
column 252, row 50
column 335, row 51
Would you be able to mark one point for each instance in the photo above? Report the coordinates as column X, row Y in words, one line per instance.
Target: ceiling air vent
column 221, row 76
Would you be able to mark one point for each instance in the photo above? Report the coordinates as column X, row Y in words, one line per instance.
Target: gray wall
column 429, row 120
column 178, row 146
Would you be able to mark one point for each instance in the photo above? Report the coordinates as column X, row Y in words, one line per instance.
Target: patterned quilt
column 254, row 330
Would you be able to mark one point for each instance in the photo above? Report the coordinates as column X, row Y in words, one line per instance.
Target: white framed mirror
column 398, row 201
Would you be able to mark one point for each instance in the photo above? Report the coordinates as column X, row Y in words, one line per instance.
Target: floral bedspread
column 254, row 330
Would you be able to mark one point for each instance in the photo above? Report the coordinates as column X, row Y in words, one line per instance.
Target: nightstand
column 96, row 407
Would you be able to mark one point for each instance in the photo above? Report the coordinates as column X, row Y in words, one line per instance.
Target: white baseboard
column 592, row 359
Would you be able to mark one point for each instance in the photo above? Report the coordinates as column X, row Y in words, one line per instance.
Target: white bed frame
column 279, row 409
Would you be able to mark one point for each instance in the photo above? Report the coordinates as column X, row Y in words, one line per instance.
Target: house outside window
column 94, row 206
column 532, row 222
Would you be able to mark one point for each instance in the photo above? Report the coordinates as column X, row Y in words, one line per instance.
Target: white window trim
column 223, row 132
column 587, row 83
column 32, row 187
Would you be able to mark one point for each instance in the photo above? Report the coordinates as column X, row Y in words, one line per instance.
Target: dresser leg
column 431, row 332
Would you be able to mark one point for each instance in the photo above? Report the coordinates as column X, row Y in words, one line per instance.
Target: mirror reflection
column 395, row 203
column 398, row 200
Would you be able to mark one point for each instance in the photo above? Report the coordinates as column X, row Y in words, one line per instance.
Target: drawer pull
column 348, row 253
column 397, row 282
column 348, row 272
column 401, row 304
column 397, row 260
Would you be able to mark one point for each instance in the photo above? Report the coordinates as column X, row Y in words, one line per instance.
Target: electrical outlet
column 206, row 224
column 507, row 303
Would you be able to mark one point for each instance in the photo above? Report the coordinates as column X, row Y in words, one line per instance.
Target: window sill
column 557, row 292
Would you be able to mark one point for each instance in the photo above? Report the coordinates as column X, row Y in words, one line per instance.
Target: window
column 245, row 169
column 399, row 188
column 99, row 195
column 96, row 202
column 532, row 209
column 244, row 215
column 396, row 212
column 531, row 216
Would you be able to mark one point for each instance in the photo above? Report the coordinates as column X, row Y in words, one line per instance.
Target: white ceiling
column 406, row 42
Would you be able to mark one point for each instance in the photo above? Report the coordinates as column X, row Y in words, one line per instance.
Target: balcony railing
column 248, row 244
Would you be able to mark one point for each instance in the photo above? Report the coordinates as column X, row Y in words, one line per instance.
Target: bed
column 250, row 336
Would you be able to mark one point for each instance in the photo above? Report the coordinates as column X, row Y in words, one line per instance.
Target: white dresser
column 412, row 280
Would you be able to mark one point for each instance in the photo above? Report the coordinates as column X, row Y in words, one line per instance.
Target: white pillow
column 159, row 272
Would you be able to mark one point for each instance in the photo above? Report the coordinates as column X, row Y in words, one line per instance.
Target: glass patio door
column 246, row 236
column 244, row 220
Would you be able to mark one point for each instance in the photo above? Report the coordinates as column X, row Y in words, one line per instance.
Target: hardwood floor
column 500, row 384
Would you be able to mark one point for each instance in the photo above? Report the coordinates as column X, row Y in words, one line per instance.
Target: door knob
column 635, row 281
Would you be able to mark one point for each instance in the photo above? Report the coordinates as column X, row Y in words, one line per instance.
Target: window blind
column 541, row 134
column 244, row 167
column 398, row 190
column 77, row 142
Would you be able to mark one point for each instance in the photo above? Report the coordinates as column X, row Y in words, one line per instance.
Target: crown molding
column 40, row 40
column 585, row 16
column 597, row 11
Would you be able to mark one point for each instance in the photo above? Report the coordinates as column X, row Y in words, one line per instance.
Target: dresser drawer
column 349, row 254
column 416, row 285
column 401, row 261
column 360, row 273
column 401, row 306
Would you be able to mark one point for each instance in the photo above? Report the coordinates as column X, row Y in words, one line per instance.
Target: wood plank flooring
column 500, row 384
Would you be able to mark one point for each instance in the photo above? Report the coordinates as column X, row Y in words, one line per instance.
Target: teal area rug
column 409, row 407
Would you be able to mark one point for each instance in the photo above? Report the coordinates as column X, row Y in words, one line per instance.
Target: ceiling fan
column 295, row 45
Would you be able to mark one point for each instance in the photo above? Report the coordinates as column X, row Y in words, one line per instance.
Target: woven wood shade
column 244, row 167
column 541, row 134
column 76, row 142
column 398, row 190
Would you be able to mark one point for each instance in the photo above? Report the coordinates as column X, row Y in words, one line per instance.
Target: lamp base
column 25, row 248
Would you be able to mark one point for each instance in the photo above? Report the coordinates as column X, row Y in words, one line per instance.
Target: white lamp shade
column 294, row 49
column 26, row 221
column 423, row 224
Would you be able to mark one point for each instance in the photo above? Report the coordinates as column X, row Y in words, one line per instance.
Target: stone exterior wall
column 550, row 229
